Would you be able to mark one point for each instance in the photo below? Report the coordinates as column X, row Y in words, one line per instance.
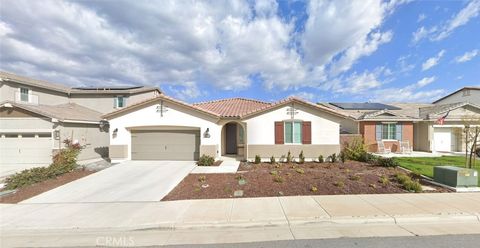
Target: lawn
column 424, row 165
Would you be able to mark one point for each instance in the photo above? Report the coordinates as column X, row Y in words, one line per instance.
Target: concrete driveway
column 130, row 181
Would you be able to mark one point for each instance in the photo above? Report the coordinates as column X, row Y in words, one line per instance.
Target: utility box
column 455, row 176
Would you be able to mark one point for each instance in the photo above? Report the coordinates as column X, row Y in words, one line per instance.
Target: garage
column 443, row 138
column 165, row 145
column 26, row 148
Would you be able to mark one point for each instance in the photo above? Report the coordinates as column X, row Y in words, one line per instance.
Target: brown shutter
column 279, row 132
column 306, row 132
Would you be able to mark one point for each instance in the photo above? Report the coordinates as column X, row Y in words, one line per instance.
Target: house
column 469, row 94
column 36, row 116
column 436, row 127
column 164, row 128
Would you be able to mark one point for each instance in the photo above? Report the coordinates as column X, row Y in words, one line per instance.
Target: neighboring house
column 167, row 129
column 416, row 123
column 466, row 94
column 36, row 116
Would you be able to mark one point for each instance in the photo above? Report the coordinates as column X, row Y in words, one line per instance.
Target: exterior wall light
column 207, row 133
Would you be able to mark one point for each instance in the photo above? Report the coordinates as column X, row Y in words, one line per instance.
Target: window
column 293, row 132
column 466, row 93
column 24, row 92
column 240, row 134
column 389, row 131
column 120, row 101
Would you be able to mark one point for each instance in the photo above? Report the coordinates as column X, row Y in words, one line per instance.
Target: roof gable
column 232, row 107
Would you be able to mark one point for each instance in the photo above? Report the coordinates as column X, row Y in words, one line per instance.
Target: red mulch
column 329, row 178
column 38, row 188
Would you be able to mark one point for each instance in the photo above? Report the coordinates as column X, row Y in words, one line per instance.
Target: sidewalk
column 244, row 212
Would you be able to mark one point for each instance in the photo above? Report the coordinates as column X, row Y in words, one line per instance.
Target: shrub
column 301, row 157
column 300, row 171
column 278, row 179
column 414, row 186
column 313, row 188
column 408, row 183
column 202, row 179
column 272, row 160
column 63, row 162
column 342, row 157
column 205, row 160
column 386, row 162
column 289, row 157
column 258, row 159
column 320, row 159
column 354, row 177
column 273, row 172
column 333, row 158
column 384, row 180
column 339, row 184
column 355, row 150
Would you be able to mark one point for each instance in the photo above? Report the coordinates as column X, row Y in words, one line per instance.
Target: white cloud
column 444, row 30
column 187, row 91
column 360, row 83
column 421, row 17
column 461, row 18
column 189, row 44
column 433, row 61
column 363, row 48
column 425, row 81
column 409, row 93
column 467, row 56
column 309, row 96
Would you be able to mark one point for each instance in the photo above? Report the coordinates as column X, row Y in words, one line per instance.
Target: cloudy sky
column 390, row 51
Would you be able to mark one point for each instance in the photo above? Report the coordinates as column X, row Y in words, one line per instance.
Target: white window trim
column 395, row 134
column 293, row 127
column 28, row 95
column 116, row 101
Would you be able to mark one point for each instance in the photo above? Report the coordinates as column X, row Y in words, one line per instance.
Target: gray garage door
column 165, row 145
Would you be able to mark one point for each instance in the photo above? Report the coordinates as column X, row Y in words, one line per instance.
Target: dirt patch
column 38, row 188
column 264, row 179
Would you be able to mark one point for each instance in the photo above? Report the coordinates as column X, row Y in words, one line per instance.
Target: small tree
column 472, row 138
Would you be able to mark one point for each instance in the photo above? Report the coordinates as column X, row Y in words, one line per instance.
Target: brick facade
column 367, row 129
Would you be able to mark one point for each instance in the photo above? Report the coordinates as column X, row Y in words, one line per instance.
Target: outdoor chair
column 405, row 147
column 382, row 148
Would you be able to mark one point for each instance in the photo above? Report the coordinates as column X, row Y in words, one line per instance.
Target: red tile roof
column 232, row 107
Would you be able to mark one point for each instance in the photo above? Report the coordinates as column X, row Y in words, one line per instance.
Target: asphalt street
column 446, row 241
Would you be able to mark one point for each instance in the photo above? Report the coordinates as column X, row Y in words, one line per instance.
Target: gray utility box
column 455, row 176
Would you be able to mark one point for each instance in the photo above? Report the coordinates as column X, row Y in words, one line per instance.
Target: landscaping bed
column 286, row 179
column 29, row 191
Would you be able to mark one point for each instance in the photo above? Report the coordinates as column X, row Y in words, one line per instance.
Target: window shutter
column 279, row 132
column 398, row 135
column 306, row 132
column 378, row 131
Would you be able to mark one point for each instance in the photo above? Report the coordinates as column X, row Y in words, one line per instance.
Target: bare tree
column 472, row 139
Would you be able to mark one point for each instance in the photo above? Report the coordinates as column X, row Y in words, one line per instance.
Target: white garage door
column 442, row 137
column 35, row 149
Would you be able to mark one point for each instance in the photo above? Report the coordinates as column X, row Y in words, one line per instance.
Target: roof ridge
column 231, row 98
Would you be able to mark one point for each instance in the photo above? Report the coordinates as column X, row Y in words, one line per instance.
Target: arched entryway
column 233, row 139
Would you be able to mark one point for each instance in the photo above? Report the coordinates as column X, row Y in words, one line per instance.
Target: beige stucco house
column 36, row 116
column 164, row 128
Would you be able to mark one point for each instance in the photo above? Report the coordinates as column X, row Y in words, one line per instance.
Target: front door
column 231, row 138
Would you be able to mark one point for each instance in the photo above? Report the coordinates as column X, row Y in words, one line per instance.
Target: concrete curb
column 366, row 220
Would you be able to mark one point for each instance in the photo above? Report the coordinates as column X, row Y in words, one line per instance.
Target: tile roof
column 232, row 107
column 428, row 112
column 62, row 112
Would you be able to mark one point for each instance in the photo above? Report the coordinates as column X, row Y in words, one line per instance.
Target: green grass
column 424, row 165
